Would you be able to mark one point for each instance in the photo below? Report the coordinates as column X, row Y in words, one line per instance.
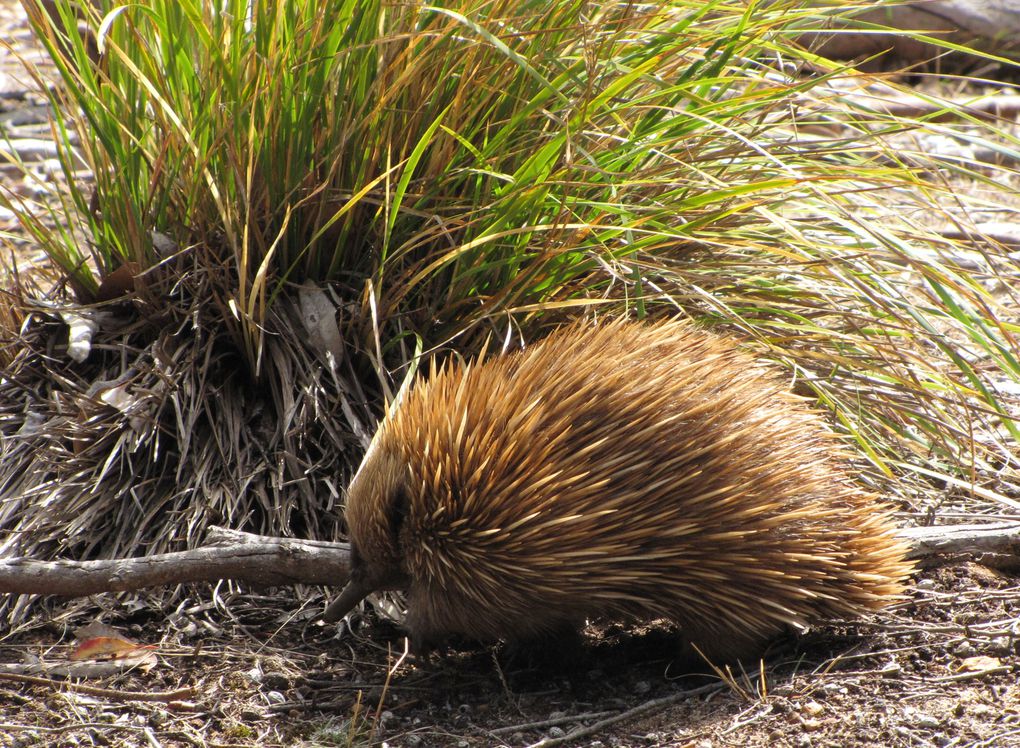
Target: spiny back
column 618, row 470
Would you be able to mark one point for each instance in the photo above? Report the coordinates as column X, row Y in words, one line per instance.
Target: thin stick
column 637, row 711
column 57, row 685
column 568, row 719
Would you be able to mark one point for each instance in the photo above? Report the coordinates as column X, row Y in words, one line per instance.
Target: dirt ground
column 938, row 670
column 231, row 667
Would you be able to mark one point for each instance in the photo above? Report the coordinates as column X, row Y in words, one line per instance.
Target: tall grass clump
column 293, row 201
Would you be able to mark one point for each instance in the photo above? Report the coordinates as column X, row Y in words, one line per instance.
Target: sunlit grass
column 439, row 174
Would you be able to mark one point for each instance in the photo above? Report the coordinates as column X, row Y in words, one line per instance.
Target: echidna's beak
column 353, row 594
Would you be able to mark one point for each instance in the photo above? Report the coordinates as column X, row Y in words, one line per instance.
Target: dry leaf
column 318, row 314
column 979, row 664
column 119, row 283
column 98, row 641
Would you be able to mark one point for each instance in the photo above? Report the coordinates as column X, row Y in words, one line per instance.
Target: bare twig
column 541, row 724
column 68, row 669
column 110, row 693
column 637, row 711
column 972, row 674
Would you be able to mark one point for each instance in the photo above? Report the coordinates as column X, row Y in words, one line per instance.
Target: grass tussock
column 292, row 200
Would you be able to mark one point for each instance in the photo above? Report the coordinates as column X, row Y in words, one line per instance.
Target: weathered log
column 989, row 25
column 230, row 555
column 1003, row 539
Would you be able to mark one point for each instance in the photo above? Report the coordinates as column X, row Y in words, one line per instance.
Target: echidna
column 621, row 471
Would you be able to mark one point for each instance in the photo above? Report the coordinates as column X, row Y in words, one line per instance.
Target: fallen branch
column 878, row 102
column 179, row 694
column 268, row 561
column 1005, row 234
column 1001, row 107
column 977, row 31
column 231, row 555
column 1002, row 539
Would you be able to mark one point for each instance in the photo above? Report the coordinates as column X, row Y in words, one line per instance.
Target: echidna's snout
column 377, row 506
column 355, row 591
column 365, row 579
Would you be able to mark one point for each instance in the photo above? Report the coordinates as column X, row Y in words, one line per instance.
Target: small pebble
column 1001, row 646
column 812, row 708
column 642, row 687
column 980, row 710
column 964, row 649
column 275, row 697
column 556, row 732
column 812, row 725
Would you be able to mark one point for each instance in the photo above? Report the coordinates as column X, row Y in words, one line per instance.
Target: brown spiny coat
column 626, row 470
